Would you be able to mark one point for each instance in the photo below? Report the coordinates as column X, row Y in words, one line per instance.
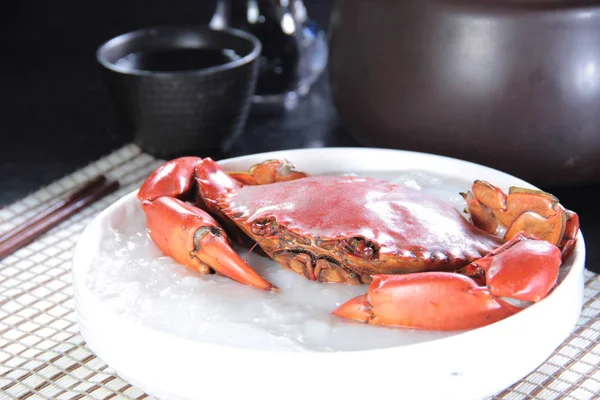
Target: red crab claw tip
column 215, row 251
column 356, row 309
column 193, row 238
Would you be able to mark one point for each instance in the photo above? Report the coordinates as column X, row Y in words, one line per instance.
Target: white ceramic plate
column 471, row 365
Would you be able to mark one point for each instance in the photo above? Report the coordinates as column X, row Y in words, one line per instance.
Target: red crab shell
column 340, row 228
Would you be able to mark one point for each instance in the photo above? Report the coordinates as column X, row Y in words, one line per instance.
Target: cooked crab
column 428, row 266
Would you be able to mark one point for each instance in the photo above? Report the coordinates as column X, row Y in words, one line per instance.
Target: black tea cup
column 181, row 90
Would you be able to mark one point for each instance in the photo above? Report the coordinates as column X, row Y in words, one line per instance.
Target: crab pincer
column 187, row 233
column 523, row 269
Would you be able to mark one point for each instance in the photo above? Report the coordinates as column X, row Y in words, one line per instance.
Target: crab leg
column 570, row 237
column 522, row 210
column 270, row 171
column 193, row 238
column 523, row 269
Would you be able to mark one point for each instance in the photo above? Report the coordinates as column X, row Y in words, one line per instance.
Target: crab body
column 345, row 229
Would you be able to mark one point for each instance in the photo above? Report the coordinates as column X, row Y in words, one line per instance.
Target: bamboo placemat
column 43, row 356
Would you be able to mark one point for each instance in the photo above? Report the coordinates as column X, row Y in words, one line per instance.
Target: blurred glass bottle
column 294, row 50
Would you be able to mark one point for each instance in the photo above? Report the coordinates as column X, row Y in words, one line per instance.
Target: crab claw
column 213, row 182
column 193, row 238
column 524, row 268
column 429, row 300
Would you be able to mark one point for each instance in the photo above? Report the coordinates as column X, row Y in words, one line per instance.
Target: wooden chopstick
column 77, row 194
column 55, row 214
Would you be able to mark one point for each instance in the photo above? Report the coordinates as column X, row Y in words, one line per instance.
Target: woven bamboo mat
column 43, row 356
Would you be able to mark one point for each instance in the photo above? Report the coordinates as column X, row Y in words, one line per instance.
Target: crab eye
column 362, row 248
column 264, row 226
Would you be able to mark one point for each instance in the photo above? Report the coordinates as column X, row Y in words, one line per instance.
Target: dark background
column 55, row 116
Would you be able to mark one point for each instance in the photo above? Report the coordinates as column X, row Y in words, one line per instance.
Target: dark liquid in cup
column 172, row 60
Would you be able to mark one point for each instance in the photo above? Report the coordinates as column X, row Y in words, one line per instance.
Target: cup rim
column 155, row 31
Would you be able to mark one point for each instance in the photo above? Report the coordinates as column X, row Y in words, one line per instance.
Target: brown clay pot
column 514, row 85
